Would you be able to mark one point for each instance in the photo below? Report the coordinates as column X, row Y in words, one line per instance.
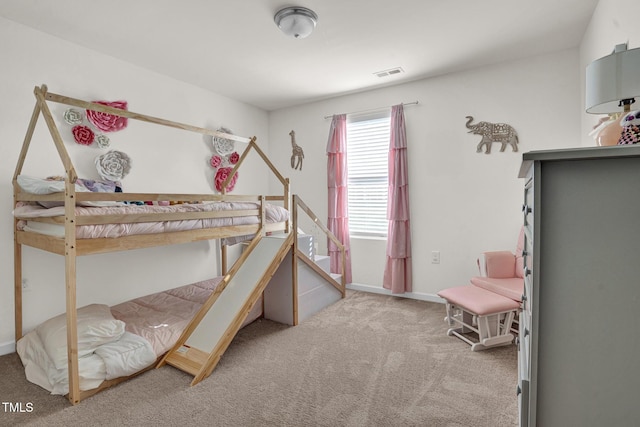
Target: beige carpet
column 368, row 360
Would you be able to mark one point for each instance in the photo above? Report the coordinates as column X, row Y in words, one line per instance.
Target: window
column 367, row 158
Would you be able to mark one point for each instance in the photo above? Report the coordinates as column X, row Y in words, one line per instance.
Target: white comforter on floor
column 125, row 356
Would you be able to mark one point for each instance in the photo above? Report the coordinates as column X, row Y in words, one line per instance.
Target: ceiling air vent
column 390, row 72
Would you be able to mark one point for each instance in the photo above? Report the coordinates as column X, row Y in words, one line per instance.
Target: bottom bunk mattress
column 114, row 341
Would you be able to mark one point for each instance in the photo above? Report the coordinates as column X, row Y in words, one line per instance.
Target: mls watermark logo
column 17, row 407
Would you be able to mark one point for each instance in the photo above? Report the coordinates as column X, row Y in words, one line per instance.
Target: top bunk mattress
column 29, row 215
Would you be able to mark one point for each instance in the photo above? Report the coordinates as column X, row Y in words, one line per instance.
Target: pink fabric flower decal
column 221, row 176
column 234, row 157
column 108, row 122
column 215, row 161
column 83, row 135
column 223, row 161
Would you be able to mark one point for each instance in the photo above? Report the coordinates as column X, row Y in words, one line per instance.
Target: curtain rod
column 373, row 109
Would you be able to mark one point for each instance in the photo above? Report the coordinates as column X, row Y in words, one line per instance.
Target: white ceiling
column 234, row 48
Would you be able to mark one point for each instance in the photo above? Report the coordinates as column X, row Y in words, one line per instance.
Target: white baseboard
column 382, row 291
column 7, row 347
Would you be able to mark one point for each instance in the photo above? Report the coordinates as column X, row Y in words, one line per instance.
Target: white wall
column 164, row 160
column 462, row 202
column 613, row 22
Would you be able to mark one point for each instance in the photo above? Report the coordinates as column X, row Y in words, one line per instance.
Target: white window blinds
column 367, row 158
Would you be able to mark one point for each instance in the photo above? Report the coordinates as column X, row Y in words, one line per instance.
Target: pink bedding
column 273, row 214
column 161, row 317
column 153, row 324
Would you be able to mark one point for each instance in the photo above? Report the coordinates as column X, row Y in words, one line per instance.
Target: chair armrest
column 497, row 264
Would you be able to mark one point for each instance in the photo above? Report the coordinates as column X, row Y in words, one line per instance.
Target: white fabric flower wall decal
column 113, row 165
column 73, row 116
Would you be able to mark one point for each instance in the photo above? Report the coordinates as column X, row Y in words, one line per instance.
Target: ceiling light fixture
column 297, row 22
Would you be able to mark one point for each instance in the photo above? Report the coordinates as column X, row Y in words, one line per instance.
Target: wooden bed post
column 70, row 279
column 263, row 216
column 17, row 285
column 70, row 248
column 223, row 247
column 223, row 259
column 17, row 247
column 287, row 202
column 294, row 260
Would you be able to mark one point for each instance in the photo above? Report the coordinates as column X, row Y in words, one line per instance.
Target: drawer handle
column 526, row 209
column 524, row 253
column 523, row 298
column 527, row 271
column 518, row 343
column 526, row 332
column 518, row 390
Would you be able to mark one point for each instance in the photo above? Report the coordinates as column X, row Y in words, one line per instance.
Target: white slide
column 210, row 332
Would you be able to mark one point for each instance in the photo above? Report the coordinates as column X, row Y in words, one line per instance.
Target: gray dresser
column 579, row 337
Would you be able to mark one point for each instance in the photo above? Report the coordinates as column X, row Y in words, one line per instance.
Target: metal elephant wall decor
column 493, row 132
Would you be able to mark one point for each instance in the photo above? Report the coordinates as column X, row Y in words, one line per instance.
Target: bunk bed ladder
column 212, row 329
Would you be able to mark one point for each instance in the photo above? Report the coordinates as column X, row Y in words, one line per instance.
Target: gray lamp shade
column 613, row 79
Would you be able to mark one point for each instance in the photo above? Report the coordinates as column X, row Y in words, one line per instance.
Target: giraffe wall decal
column 296, row 152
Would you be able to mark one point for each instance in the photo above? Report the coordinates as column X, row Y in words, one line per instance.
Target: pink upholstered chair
column 502, row 272
column 490, row 305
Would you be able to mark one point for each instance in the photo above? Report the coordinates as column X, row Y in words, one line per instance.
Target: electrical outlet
column 25, row 285
column 435, row 257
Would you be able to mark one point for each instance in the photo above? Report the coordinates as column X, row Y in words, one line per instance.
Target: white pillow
column 43, row 186
column 46, row 186
column 96, row 326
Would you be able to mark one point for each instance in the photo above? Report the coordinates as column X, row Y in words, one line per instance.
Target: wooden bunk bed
column 71, row 246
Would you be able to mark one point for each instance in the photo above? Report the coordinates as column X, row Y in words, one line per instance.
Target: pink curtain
column 397, row 271
column 338, row 221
